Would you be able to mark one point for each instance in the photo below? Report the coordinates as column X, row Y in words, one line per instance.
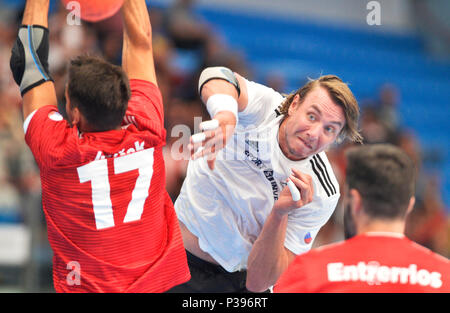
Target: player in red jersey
column 379, row 258
column 111, row 224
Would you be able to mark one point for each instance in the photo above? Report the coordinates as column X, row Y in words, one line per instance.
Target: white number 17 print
column 97, row 173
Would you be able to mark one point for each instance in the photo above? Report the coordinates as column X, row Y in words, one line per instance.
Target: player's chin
column 301, row 152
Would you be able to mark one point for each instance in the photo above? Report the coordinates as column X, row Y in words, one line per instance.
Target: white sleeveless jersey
column 226, row 208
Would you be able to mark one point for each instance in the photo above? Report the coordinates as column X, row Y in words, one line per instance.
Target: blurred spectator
column 109, row 35
column 9, row 193
column 176, row 158
column 372, row 127
column 428, row 224
column 18, row 175
column 186, row 29
column 276, row 81
column 387, row 106
column 407, row 140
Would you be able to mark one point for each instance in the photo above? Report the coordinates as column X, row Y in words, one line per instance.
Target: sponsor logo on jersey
column 269, row 175
column 268, row 172
column 55, row 116
column 307, row 239
column 252, row 143
column 373, row 273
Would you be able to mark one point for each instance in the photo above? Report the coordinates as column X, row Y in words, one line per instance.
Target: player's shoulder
column 323, row 176
column 262, row 100
column 50, row 137
column 142, row 84
column 42, row 114
column 342, row 248
column 143, row 90
column 429, row 255
column 256, row 88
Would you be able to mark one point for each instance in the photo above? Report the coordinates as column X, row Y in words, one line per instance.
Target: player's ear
column 355, row 201
column 412, row 201
column 76, row 116
column 67, row 99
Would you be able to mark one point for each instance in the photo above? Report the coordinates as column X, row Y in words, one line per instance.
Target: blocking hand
column 214, row 136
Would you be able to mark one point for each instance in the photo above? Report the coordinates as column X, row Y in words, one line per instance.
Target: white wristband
column 221, row 102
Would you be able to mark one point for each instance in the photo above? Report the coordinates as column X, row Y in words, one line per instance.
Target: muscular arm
column 221, row 86
column 36, row 13
column 222, row 108
column 268, row 258
column 137, row 51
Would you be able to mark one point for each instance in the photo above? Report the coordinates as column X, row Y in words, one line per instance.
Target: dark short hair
column 100, row 91
column 384, row 175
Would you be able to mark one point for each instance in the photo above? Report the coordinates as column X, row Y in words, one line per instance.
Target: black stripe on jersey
column 326, row 172
column 323, row 175
column 319, row 177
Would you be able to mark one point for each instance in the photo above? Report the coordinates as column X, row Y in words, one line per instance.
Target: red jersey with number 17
column 111, row 224
column 370, row 262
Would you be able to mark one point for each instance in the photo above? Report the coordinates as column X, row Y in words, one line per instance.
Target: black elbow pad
column 29, row 57
column 218, row 72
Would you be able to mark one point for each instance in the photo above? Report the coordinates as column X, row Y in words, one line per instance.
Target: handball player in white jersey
column 241, row 223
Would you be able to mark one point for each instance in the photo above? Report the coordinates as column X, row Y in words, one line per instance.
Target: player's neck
column 86, row 128
column 394, row 226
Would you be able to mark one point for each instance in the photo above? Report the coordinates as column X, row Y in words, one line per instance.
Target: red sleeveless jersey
column 111, row 224
column 372, row 262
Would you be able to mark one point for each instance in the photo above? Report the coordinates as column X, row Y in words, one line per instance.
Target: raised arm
column 225, row 94
column 137, row 51
column 221, row 86
column 29, row 58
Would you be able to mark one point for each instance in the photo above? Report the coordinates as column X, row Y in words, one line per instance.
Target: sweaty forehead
column 319, row 99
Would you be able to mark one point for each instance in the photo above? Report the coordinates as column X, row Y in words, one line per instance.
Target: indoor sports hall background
column 395, row 54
